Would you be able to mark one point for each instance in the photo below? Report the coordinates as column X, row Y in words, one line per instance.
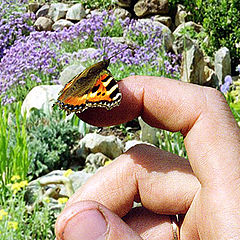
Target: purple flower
column 226, row 86
column 238, row 68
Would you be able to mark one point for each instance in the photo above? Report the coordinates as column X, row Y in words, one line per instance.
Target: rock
column 192, row 68
column 121, row 13
column 196, row 27
column 131, row 143
column 41, row 97
column 181, row 15
column 61, row 24
column 148, row 133
column 110, row 146
column 148, row 7
column 181, row 44
column 166, row 20
column 94, row 161
column 184, row 42
column 210, row 77
column 70, row 72
column 222, row 63
column 43, row 24
column 124, row 3
column 55, row 185
column 57, row 11
column 166, row 32
column 43, row 11
column 76, row 12
column 33, row 7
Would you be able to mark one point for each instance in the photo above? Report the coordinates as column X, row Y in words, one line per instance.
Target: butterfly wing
column 102, row 91
column 105, row 93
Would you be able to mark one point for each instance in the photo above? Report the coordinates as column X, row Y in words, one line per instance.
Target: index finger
column 201, row 114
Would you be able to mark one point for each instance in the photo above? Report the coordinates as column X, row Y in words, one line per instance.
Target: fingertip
column 129, row 108
column 91, row 220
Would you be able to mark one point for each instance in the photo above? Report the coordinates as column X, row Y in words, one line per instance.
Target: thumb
column 90, row 220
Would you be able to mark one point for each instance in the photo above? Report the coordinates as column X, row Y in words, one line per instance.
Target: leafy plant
column 220, row 20
column 99, row 4
column 13, row 144
column 172, row 142
column 50, row 140
column 18, row 222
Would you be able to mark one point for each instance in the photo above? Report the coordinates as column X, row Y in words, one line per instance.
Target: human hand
column 206, row 190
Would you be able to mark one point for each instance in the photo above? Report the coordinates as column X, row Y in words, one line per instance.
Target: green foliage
column 233, row 100
column 172, row 142
column 13, row 144
column 50, row 140
column 16, row 222
column 220, row 20
column 99, row 4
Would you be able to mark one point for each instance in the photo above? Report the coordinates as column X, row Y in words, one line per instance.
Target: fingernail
column 86, row 225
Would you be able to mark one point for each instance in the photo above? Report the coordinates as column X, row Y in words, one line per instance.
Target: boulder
column 149, row 7
column 222, row 64
column 166, row 20
column 76, row 12
column 196, row 27
column 110, row 146
column 41, row 97
column 43, row 24
column 55, row 185
column 181, row 15
column 148, row 133
column 183, row 41
column 33, row 7
column 43, row 11
column 121, row 13
column 70, row 72
column 57, row 11
column 61, row 24
column 124, row 3
column 94, row 161
column 192, row 68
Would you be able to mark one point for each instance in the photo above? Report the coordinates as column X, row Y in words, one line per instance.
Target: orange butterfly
column 94, row 87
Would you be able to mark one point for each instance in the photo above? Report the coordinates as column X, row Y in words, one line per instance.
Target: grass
column 13, row 144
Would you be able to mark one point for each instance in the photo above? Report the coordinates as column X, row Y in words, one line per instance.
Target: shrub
column 50, row 140
column 220, row 20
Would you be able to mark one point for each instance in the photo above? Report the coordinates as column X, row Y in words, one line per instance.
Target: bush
column 50, row 140
column 220, row 20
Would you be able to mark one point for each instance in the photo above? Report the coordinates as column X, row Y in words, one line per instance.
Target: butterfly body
column 94, row 87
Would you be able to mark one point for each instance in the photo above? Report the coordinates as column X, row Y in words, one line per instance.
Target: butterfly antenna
column 118, row 52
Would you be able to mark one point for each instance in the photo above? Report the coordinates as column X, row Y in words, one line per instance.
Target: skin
column 206, row 190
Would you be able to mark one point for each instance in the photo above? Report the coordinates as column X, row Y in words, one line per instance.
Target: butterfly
column 94, row 87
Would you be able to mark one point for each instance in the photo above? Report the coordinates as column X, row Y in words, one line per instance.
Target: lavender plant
column 39, row 57
column 13, row 23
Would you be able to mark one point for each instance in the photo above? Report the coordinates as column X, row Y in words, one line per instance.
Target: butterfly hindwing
column 105, row 93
